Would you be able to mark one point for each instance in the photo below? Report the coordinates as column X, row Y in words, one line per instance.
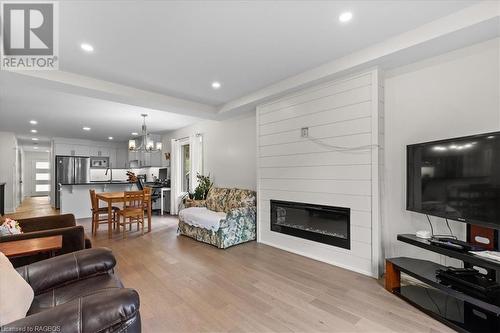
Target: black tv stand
column 459, row 310
column 452, row 243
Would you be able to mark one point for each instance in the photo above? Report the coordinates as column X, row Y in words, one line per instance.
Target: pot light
column 33, row 122
column 135, row 133
column 34, row 131
column 34, row 139
column 87, row 47
column 345, row 17
column 35, row 147
column 85, row 128
column 216, row 85
column 110, row 138
column 491, row 137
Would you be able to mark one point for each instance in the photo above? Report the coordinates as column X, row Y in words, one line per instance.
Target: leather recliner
column 78, row 292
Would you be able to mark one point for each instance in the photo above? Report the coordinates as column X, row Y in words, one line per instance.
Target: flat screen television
column 457, row 179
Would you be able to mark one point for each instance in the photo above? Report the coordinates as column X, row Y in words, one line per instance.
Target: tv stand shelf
column 464, row 256
column 461, row 311
column 425, row 271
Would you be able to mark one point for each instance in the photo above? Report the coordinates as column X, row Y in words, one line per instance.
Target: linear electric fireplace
column 324, row 224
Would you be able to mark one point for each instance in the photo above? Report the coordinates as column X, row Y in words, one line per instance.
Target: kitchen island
column 75, row 198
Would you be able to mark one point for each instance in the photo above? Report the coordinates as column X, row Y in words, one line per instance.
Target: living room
column 318, row 171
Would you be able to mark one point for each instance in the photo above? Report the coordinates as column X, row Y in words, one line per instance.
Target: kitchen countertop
column 102, row 183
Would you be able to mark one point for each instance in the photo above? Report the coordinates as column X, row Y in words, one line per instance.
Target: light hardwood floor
column 33, row 207
column 186, row 286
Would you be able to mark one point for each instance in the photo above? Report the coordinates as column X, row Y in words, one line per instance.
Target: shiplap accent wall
column 342, row 113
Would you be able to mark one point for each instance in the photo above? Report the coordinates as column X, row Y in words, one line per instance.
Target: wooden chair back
column 133, row 199
column 93, row 200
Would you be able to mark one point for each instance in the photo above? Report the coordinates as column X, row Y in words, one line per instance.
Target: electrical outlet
column 304, row 132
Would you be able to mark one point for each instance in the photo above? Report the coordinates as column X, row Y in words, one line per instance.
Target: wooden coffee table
column 26, row 247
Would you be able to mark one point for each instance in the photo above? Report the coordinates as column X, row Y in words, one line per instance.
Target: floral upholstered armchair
column 226, row 218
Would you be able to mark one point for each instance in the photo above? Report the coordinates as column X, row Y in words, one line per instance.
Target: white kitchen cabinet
column 71, row 150
column 121, row 158
column 156, row 159
column 112, row 157
column 100, row 151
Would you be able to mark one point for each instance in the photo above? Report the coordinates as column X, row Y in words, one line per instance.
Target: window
column 42, row 165
column 186, row 167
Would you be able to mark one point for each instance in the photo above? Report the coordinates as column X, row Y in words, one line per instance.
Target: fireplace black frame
column 311, row 235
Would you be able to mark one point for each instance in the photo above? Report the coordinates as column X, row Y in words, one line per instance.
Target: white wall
column 8, row 169
column 451, row 95
column 228, row 149
column 342, row 113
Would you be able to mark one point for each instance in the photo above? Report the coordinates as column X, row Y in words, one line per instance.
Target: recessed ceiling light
column 135, row 133
column 87, row 47
column 35, row 147
column 33, row 122
column 34, row 139
column 85, row 128
column 34, row 131
column 110, row 138
column 345, row 17
column 47, row 151
column 216, row 85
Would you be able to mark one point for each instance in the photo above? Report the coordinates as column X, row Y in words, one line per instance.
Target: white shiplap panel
column 324, row 145
column 349, row 97
column 337, row 172
column 317, row 92
column 334, row 166
column 340, row 114
column 351, row 187
column 317, row 251
column 315, row 159
column 360, row 234
column 328, row 130
column 339, row 200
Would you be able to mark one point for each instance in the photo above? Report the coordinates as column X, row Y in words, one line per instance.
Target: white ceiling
column 178, row 48
column 63, row 115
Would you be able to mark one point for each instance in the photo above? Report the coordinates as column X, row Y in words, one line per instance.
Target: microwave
column 99, row 162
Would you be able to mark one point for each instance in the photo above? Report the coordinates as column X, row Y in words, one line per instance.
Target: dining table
column 119, row 197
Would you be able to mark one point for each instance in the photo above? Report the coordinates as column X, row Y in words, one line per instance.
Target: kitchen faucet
column 109, row 168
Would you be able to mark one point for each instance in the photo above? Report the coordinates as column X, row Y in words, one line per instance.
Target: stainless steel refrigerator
column 71, row 170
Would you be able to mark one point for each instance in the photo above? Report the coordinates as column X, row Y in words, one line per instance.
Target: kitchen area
column 81, row 165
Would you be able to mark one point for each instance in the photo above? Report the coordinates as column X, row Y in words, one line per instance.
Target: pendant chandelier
column 146, row 144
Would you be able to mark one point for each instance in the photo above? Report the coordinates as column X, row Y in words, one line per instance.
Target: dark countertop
column 103, row 183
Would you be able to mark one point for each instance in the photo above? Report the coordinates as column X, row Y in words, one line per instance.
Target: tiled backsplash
column 121, row 174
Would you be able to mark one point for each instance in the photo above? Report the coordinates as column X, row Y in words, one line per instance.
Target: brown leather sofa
column 73, row 235
column 78, row 292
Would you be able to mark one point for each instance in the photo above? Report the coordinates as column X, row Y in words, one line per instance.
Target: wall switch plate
column 304, row 132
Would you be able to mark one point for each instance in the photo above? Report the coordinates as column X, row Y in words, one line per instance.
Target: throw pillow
column 10, row 227
column 16, row 294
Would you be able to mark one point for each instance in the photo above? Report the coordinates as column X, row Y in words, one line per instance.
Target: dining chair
column 133, row 210
column 100, row 214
